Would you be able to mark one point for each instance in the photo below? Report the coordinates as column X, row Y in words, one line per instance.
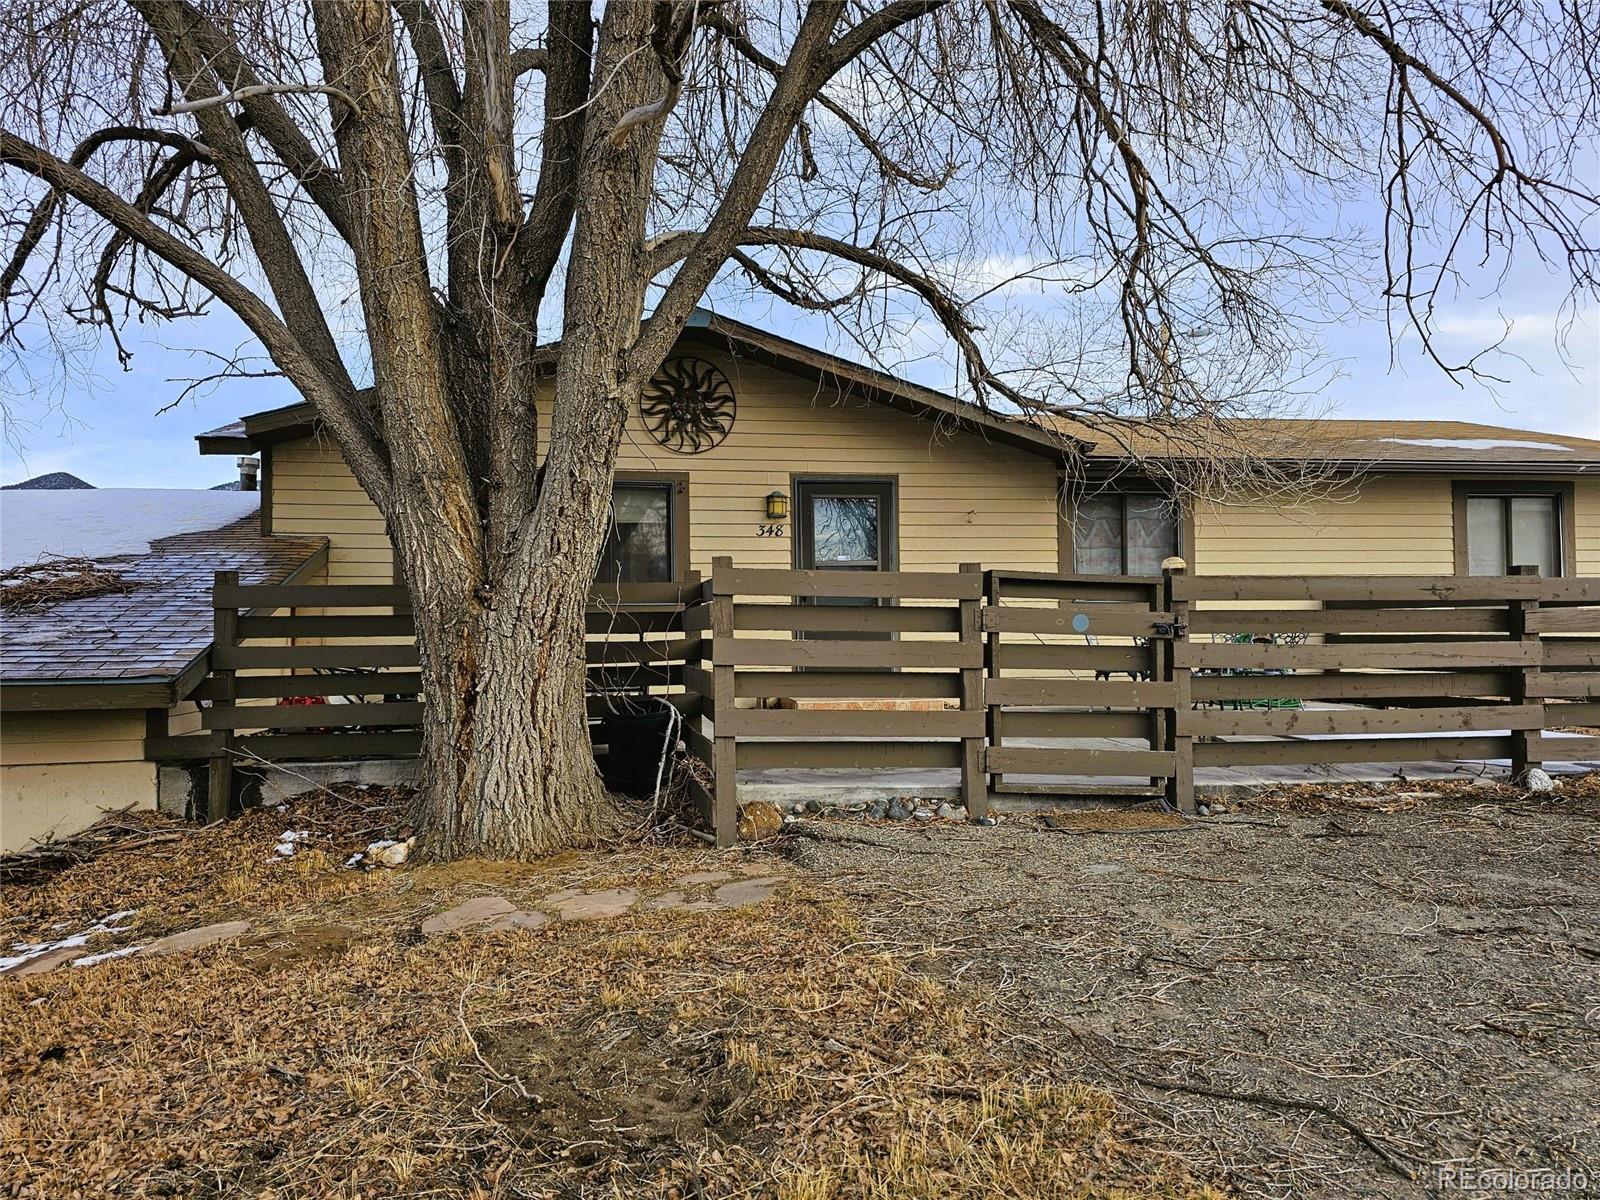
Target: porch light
column 777, row 506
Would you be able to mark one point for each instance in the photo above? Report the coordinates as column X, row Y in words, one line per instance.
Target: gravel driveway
column 1318, row 994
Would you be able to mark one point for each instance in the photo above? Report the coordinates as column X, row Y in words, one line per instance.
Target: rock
column 489, row 913
column 389, row 853
column 758, row 821
column 797, row 808
column 855, row 809
column 195, row 939
column 592, row 906
column 1538, row 780
column 48, row 961
column 923, row 814
column 986, row 822
column 898, row 811
column 1205, row 810
column 1219, row 808
column 704, row 877
column 949, row 812
column 813, row 806
column 747, row 891
column 878, row 810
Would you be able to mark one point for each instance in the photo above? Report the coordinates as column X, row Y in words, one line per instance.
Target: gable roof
column 742, row 341
column 1457, row 447
column 143, row 647
column 1454, row 446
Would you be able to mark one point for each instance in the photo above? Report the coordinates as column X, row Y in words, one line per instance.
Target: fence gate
column 1072, row 661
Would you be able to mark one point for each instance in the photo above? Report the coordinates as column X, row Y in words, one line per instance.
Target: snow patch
column 1477, row 443
column 26, row 951
column 109, row 522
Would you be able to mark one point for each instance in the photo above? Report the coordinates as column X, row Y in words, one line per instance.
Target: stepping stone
column 48, row 961
column 674, row 902
column 493, row 913
column 747, row 891
column 704, row 877
column 592, row 906
column 195, row 939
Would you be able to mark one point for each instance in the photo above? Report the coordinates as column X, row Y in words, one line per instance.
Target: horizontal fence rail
column 1015, row 685
column 344, row 684
column 886, row 677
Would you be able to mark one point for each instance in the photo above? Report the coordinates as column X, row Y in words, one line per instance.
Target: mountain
column 55, row 481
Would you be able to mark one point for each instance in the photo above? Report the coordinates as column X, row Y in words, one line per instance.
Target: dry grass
column 768, row 1051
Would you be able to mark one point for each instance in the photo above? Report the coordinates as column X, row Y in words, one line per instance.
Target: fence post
column 1180, row 784
column 993, row 730
column 724, row 749
column 224, row 634
column 1160, row 672
column 974, row 779
column 1525, row 681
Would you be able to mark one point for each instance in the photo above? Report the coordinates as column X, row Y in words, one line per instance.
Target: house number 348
column 769, row 530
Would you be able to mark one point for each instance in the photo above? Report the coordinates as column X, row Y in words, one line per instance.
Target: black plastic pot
column 636, row 742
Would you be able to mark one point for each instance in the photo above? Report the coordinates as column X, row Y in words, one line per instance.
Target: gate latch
column 1169, row 628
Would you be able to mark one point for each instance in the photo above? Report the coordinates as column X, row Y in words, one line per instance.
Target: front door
column 845, row 525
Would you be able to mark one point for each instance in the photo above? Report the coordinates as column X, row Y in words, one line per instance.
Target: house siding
column 960, row 498
column 1381, row 525
column 60, row 771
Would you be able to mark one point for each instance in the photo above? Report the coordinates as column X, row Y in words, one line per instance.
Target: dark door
column 846, row 525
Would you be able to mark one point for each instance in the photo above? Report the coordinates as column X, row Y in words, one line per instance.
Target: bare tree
column 463, row 167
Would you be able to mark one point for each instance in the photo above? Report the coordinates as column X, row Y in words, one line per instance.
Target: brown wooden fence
column 1007, row 684
column 288, row 685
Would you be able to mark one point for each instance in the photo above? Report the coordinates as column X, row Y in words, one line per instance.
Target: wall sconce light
column 777, row 506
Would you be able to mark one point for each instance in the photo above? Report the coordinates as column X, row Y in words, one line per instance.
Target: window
column 1123, row 533
column 641, row 546
column 1506, row 530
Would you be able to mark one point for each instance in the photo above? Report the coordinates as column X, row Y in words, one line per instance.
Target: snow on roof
column 109, row 522
column 1445, row 443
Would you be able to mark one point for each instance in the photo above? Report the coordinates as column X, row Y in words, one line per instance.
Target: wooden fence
column 342, row 682
column 1006, row 684
column 808, row 670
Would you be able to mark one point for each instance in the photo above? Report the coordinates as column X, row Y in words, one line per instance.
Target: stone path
column 695, row 892
column 489, row 913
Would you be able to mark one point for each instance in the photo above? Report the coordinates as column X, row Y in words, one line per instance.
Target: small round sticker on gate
column 1080, row 622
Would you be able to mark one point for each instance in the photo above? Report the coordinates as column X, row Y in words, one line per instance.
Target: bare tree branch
column 238, row 95
column 336, row 407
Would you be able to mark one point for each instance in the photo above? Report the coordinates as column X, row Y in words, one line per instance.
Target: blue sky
column 107, row 428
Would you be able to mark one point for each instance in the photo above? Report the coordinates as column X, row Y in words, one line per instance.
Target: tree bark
column 507, row 768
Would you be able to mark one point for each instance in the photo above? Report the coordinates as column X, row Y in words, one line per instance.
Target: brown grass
column 768, row 1051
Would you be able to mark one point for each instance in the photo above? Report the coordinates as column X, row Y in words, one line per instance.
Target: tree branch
column 529, row 58
column 740, row 41
column 334, row 406
column 274, row 249
column 259, row 89
column 268, row 118
column 39, row 221
column 800, row 80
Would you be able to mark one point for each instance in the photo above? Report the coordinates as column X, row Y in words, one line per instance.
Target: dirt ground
column 692, row 1043
column 1329, row 993
column 1325, row 994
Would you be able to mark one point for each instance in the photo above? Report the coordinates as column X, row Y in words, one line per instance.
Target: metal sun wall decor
column 689, row 406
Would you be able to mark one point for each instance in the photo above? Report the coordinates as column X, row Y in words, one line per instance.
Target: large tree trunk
column 507, row 768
